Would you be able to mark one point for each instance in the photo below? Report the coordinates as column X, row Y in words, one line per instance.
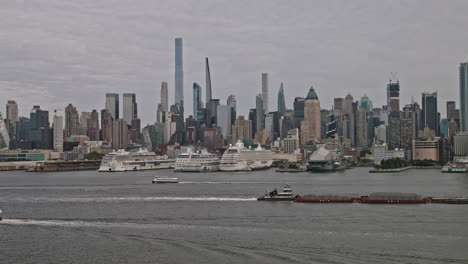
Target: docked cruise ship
column 240, row 158
column 197, row 162
column 134, row 160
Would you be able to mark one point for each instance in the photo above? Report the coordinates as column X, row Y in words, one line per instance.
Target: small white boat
column 165, row 180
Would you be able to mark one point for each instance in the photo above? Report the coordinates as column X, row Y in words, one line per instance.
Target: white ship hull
column 238, row 158
column 196, row 162
column 121, row 161
column 239, row 166
column 197, row 168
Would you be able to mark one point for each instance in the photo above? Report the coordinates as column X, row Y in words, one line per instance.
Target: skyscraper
column 179, row 72
column 106, row 125
column 4, row 137
column 112, row 104
column 197, row 102
column 223, row 114
column 40, row 128
column 260, row 119
column 164, row 97
column 393, row 96
column 58, row 131
column 129, row 107
column 366, row 103
column 12, row 117
column 464, row 96
column 211, row 112
column 208, row 81
column 281, row 102
column 232, row 103
column 119, row 134
column 429, row 115
column 311, row 125
column 84, row 123
column 298, row 111
column 71, row 121
column 265, row 92
column 93, row 128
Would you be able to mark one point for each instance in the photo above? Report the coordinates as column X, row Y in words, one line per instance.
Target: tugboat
column 285, row 195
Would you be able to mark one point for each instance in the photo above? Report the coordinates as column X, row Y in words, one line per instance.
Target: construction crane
column 394, row 74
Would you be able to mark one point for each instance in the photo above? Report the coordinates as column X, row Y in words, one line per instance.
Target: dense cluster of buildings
column 409, row 130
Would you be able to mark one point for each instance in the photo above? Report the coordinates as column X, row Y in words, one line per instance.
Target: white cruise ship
column 141, row 159
column 197, row 162
column 240, row 158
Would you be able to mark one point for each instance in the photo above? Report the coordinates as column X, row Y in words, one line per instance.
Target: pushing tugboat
column 285, row 195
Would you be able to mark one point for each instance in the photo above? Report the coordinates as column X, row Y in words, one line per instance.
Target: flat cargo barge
column 324, row 198
column 49, row 166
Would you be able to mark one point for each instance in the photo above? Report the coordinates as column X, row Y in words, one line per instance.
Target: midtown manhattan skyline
column 66, row 59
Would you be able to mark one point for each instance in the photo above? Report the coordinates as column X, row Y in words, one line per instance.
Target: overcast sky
column 55, row 52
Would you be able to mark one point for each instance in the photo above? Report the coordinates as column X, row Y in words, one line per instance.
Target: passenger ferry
column 134, row 160
column 240, row 158
column 197, row 162
column 165, row 180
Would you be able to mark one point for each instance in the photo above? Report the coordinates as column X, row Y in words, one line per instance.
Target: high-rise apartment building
column 164, row 97
column 241, row 130
column 464, row 96
column 72, row 121
column 361, row 129
column 93, row 128
column 58, row 131
column 197, row 101
column 119, row 134
column 265, row 92
column 129, row 106
column 179, row 72
column 40, row 133
column 281, row 101
column 85, row 117
column 211, row 112
column 112, row 105
column 106, row 125
column 260, row 113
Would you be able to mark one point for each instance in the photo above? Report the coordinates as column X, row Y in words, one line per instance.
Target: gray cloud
column 56, row 52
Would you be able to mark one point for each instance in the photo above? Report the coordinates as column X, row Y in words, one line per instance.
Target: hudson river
column 91, row 217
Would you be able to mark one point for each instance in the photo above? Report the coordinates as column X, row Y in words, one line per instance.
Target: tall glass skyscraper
column 464, row 96
column 429, row 116
column 281, row 102
column 197, row 102
column 112, row 105
column 265, row 92
column 179, row 72
column 231, row 102
column 129, row 107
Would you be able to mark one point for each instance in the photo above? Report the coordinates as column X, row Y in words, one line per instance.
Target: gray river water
column 91, row 217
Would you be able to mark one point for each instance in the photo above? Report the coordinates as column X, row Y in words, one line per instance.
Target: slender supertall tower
column 464, row 96
column 164, row 97
column 265, row 92
column 208, row 81
column 281, row 102
column 179, row 72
